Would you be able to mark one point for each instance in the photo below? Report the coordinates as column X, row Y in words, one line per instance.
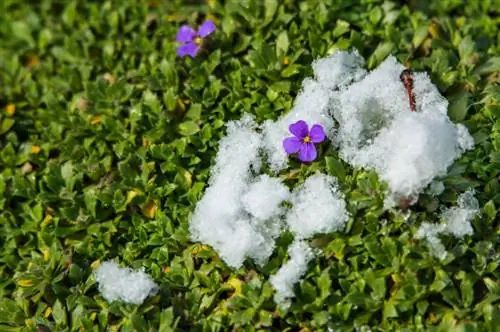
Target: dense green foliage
column 107, row 138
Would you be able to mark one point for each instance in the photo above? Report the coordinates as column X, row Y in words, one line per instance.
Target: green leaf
column 324, row 283
column 139, row 323
column 381, row 52
column 270, row 7
column 492, row 65
column 194, row 112
column 489, row 210
column 459, row 105
column 167, row 320
column 282, row 44
column 10, row 312
column 466, row 48
column 290, row 71
column 59, row 313
column 335, row 168
column 467, row 291
column 420, row 35
column 6, row 124
column 67, row 174
column 188, row 128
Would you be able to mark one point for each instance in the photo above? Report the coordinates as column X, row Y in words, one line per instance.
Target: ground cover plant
column 148, row 149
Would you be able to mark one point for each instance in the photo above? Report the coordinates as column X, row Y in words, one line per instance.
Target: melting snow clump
column 457, row 222
column 219, row 219
column 458, row 219
column 291, row 272
column 430, row 232
column 378, row 130
column 318, row 207
column 436, row 188
column 125, row 284
column 263, row 198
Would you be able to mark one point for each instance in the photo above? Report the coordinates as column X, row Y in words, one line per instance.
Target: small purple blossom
column 304, row 140
column 191, row 39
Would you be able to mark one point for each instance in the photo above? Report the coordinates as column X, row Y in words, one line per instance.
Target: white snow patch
column 377, row 130
column 318, row 207
column 457, row 222
column 291, row 272
column 232, row 216
column 218, row 219
column 430, row 233
column 436, row 188
column 458, row 219
column 263, row 198
column 125, row 284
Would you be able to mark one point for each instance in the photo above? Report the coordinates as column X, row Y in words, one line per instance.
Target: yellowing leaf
column 95, row 264
column 29, row 323
column 10, row 109
column 181, row 105
column 211, row 3
column 236, row 284
column 197, row 248
column 286, row 61
column 32, row 61
column 433, row 30
column 46, row 221
column 95, row 119
column 173, row 18
column 149, row 210
column 25, row 283
column 108, row 77
column 188, row 177
column 46, row 254
column 47, row 312
column 131, row 194
column 35, row 149
column 460, row 21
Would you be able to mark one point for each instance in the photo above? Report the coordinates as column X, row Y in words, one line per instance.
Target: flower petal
column 206, row 28
column 317, row 134
column 292, row 144
column 299, row 129
column 307, row 152
column 185, row 34
column 190, row 49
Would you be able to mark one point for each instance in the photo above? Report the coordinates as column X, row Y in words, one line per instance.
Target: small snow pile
column 430, row 233
column 291, row 272
column 318, row 207
column 458, row 219
column 125, row 284
column 314, row 102
column 237, row 215
column 436, row 188
column 377, row 129
column 457, row 222
column 264, row 196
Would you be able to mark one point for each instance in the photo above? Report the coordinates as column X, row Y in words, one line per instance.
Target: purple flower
column 304, row 140
column 192, row 40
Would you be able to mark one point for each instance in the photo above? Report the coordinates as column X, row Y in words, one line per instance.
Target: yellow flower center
column 307, row 139
column 198, row 40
